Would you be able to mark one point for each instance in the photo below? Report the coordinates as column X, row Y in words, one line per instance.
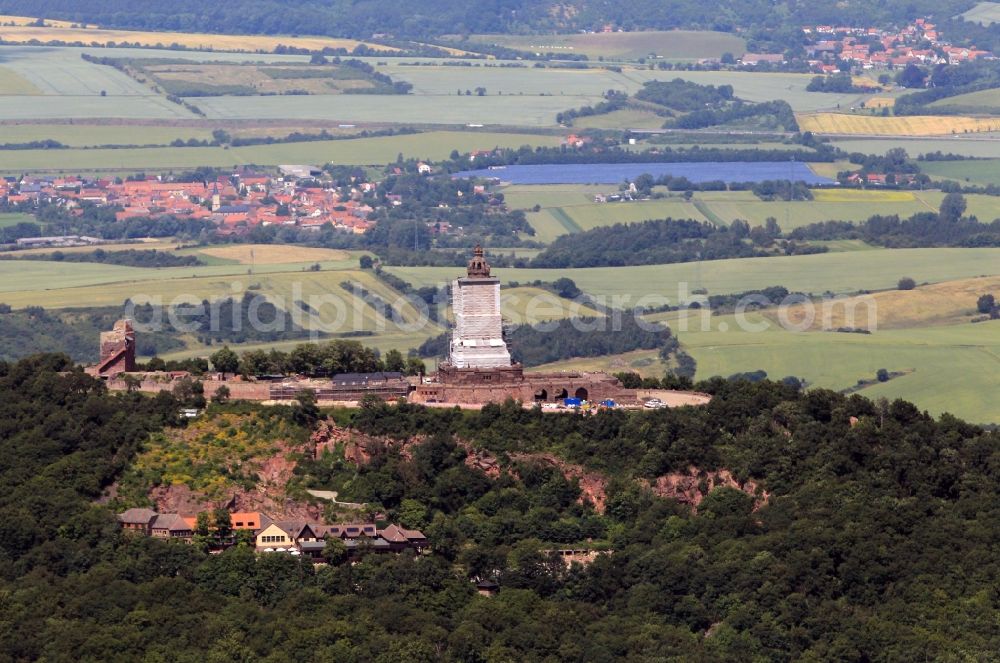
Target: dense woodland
column 875, row 541
column 663, row 241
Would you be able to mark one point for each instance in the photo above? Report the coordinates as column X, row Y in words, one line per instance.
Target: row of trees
column 314, row 359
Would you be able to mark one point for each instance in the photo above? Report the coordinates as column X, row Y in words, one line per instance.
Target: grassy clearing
column 843, row 272
column 911, row 125
column 13, row 84
column 673, row 44
column 359, row 151
column 207, row 42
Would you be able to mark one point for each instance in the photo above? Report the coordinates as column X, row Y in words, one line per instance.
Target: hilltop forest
column 430, row 18
column 870, row 536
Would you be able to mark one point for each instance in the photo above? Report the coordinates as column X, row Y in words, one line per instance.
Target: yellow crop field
column 12, row 83
column 864, row 81
column 253, row 43
column 914, row 125
column 861, row 196
column 881, row 102
column 273, row 254
column 948, row 303
column 28, row 20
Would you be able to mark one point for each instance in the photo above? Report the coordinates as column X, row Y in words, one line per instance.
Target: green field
column 954, row 368
column 359, row 151
column 982, row 101
column 505, row 110
column 976, row 145
column 515, row 96
column 7, row 220
column 839, row 272
column 571, row 208
column 77, row 135
column 628, row 118
column 980, row 171
column 674, row 44
column 754, row 86
column 984, row 13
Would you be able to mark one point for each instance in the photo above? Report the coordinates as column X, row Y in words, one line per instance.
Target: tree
column 132, row 383
column 222, row 523
column 986, row 304
column 306, row 412
column 882, row 375
column 225, row 360
column 394, row 361
column 415, row 366
column 912, row 76
column 221, row 395
column 318, row 58
column 952, row 207
column 335, row 551
column 906, row 283
column 366, row 262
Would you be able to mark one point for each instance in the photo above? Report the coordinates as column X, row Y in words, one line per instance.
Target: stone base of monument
column 494, row 385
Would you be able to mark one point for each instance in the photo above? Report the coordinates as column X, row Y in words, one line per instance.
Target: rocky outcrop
column 593, row 485
column 691, row 487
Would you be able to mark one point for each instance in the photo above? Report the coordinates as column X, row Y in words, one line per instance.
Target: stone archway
column 581, row 393
column 562, row 394
column 541, row 395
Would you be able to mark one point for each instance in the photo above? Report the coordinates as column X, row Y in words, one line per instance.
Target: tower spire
column 478, row 267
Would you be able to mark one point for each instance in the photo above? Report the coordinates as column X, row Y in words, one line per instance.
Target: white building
column 477, row 341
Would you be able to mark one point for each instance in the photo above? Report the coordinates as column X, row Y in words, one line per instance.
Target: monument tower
column 477, row 341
